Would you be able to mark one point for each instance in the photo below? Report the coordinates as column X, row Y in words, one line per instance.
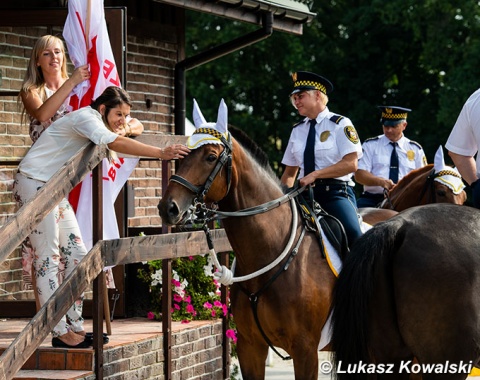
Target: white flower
column 157, row 278
column 208, row 269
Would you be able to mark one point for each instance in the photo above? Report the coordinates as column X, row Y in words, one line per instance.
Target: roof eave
column 289, row 15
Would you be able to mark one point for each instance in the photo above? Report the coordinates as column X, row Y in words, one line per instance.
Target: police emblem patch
column 351, row 134
column 324, row 136
column 411, row 155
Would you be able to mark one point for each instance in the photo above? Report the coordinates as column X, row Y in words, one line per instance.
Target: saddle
column 317, row 220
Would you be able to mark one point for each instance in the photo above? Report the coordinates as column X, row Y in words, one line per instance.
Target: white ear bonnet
column 446, row 175
column 208, row 133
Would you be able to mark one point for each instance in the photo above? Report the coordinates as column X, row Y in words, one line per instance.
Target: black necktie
column 394, row 163
column 309, row 153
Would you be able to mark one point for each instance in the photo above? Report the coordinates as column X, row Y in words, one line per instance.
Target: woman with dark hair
column 58, row 236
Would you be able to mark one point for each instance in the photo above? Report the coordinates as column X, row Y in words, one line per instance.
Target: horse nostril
column 167, row 210
column 173, row 210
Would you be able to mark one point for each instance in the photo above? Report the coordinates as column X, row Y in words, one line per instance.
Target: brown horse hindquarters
column 411, row 288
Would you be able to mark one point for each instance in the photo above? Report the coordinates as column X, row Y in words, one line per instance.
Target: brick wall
column 150, row 67
column 196, row 354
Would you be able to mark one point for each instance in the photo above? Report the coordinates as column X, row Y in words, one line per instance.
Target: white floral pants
column 55, row 240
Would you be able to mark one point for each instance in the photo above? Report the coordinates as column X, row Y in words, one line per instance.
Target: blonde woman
column 46, row 89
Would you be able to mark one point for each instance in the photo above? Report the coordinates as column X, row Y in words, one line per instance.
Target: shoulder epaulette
column 372, row 139
column 297, row 124
column 336, row 118
column 416, row 144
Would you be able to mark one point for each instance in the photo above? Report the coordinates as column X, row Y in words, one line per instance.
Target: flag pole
column 106, row 305
column 87, row 25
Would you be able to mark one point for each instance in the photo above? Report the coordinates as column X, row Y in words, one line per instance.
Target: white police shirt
column 335, row 138
column 464, row 138
column 376, row 158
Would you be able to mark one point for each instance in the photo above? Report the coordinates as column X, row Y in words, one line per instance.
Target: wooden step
column 27, row 374
column 54, row 359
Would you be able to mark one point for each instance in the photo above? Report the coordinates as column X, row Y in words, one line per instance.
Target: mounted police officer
column 323, row 150
column 387, row 158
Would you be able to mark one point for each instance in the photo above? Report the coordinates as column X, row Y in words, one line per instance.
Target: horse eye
column 211, row 158
column 441, row 193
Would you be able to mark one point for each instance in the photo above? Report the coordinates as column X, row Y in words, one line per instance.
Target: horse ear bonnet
column 208, row 133
column 446, row 175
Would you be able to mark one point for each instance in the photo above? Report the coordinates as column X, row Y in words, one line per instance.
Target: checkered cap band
column 441, row 173
column 394, row 116
column 318, row 86
column 208, row 131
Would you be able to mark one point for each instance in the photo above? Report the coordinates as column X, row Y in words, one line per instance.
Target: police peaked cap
column 304, row 81
column 392, row 115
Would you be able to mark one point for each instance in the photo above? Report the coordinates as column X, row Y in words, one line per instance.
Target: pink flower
column 213, row 313
column 207, row 305
column 232, row 335
column 190, row 309
column 151, row 315
column 217, row 304
column 225, row 309
column 177, row 298
column 185, row 321
column 176, row 283
column 191, row 258
column 188, row 299
column 176, row 306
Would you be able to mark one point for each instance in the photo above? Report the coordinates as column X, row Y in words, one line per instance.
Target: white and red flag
column 87, row 40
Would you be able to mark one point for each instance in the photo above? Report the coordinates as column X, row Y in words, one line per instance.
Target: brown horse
column 410, row 288
column 289, row 303
column 419, row 188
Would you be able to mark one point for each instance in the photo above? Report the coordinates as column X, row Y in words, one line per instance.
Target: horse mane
column 251, row 146
column 406, row 180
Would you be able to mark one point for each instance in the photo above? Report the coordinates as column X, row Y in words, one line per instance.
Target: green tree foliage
column 419, row 54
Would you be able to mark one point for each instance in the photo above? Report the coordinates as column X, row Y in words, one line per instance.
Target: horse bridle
column 224, row 159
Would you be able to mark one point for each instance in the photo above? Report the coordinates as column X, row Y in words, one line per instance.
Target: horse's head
column 447, row 182
column 205, row 174
column 434, row 183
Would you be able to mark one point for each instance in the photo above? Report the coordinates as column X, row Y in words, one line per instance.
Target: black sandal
column 56, row 342
column 89, row 337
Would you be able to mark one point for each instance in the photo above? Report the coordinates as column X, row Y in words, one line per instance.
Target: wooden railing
column 90, row 269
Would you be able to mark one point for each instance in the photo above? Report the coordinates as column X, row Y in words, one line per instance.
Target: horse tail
column 352, row 294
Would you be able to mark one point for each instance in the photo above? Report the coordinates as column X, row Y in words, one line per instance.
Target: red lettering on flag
column 112, row 173
column 108, row 68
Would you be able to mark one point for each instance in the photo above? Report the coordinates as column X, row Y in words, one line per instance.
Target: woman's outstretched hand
column 174, row 152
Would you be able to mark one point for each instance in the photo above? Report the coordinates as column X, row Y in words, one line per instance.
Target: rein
column 225, row 275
